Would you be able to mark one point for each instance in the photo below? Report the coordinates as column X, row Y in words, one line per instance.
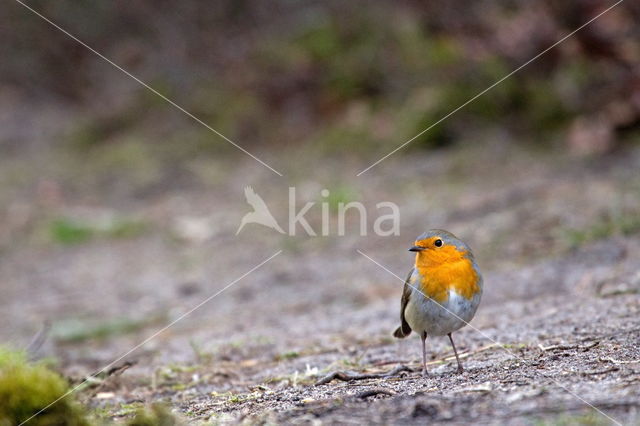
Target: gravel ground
column 556, row 338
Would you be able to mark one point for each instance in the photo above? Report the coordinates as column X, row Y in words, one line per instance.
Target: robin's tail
column 400, row 333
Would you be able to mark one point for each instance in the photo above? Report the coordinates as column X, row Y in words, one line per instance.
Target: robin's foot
column 424, row 372
column 460, row 369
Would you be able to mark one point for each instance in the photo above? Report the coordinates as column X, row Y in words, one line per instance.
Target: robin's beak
column 417, row 248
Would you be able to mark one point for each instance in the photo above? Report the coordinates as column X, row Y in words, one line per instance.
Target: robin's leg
column 460, row 369
column 423, row 336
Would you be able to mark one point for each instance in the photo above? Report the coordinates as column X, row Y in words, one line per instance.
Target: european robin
column 443, row 289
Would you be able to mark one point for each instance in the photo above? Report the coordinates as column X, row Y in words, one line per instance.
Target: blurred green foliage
column 341, row 194
column 76, row 330
column 627, row 223
column 70, row 231
column 65, row 231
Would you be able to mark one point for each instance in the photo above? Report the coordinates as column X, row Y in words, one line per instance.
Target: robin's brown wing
column 404, row 330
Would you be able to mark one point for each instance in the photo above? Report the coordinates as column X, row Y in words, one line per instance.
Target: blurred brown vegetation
column 347, row 76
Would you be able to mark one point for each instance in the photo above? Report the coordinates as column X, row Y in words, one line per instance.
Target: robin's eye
column 437, row 243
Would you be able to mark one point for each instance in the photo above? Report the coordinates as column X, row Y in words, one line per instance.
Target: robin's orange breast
column 458, row 275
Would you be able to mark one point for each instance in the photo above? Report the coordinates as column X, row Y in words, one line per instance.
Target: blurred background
column 118, row 212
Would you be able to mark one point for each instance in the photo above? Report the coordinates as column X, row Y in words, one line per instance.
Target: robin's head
column 436, row 247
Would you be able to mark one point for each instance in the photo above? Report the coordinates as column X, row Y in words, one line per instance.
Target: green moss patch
column 32, row 389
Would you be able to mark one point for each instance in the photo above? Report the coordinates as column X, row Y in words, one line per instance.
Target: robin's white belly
column 424, row 314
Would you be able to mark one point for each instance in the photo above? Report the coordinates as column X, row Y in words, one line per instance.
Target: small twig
column 556, row 347
column 100, row 381
column 617, row 361
column 119, row 369
column 38, row 340
column 390, row 361
column 374, row 392
column 568, row 347
column 589, row 346
column 484, row 388
column 598, row 372
column 347, row 376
